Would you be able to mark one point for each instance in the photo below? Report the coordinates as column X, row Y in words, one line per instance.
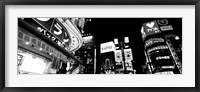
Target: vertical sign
column 118, row 56
column 128, row 58
column 128, row 55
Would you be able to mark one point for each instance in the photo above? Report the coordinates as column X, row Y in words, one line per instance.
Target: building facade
column 161, row 56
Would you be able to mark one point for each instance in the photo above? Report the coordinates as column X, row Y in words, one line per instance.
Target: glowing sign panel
column 107, row 47
column 151, row 28
column 118, row 56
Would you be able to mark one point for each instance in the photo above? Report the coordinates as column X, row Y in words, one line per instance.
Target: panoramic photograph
column 79, row 45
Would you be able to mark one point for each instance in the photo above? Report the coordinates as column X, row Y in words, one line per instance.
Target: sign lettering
column 50, row 36
column 165, row 28
column 107, row 47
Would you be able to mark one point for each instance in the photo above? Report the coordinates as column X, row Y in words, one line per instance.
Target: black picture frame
column 99, row 2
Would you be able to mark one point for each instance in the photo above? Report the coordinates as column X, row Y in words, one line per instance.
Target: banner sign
column 107, row 47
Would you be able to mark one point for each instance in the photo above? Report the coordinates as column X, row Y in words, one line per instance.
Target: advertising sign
column 107, row 47
column 128, row 59
column 128, row 55
column 165, row 28
column 108, row 60
column 88, row 39
column 58, row 30
column 44, row 27
column 118, row 56
column 151, row 28
column 31, row 63
column 55, row 28
column 153, row 41
column 51, row 25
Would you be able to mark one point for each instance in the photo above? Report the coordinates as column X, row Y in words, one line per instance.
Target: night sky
column 106, row 29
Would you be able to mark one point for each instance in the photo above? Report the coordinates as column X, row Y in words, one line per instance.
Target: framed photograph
column 101, row 45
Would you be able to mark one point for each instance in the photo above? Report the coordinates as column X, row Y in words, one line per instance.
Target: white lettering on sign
column 153, row 29
column 50, row 36
column 152, row 41
column 165, row 28
column 107, row 47
column 157, row 48
column 59, row 29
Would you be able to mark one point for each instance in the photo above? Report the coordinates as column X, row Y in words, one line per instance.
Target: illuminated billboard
column 50, row 28
column 31, row 63
column 107, row 47
column 87, row 39
column 59, row 30
column 151, row 28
